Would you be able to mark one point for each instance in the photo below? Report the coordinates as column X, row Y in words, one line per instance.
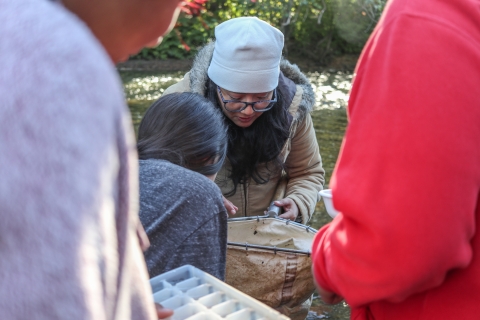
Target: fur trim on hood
column 199, row 77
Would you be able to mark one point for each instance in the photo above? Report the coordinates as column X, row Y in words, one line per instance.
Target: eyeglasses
column 239, row 106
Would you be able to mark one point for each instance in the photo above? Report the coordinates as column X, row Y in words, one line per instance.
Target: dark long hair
column 260, row 143
column 185, row 129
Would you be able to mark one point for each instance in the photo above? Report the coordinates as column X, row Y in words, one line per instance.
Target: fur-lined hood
column 199, row 77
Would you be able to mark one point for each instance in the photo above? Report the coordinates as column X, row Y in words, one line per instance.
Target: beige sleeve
column 304, row 169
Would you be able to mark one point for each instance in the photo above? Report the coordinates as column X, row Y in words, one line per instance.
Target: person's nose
column 248, row 111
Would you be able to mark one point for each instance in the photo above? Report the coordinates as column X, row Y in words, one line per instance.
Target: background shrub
column 314, row 29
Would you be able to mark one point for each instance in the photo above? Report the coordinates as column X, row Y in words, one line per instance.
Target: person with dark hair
column 182, row 210
column 265, row 102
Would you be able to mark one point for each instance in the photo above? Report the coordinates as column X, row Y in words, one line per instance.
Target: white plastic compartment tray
column 195, row 295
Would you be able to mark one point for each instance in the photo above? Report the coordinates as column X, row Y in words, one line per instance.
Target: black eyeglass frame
column 246, row 104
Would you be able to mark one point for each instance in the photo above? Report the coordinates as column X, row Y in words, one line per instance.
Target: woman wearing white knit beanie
column 266, row 102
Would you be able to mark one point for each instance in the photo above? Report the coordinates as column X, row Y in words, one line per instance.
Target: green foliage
column 183, row 42
column 325, row 28
column 355, row 19
column 313, row 29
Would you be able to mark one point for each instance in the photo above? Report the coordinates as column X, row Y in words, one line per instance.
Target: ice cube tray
column 195, row 295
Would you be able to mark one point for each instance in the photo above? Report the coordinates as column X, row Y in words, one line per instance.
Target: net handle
column 273, row 210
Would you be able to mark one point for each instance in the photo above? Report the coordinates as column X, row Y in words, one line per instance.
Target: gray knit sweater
column 185, row 219
column 68, row 174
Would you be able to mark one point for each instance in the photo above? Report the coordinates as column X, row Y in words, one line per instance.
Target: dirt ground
column 341, row 63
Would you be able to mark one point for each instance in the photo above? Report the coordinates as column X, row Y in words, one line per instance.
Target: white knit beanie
column 247, row 55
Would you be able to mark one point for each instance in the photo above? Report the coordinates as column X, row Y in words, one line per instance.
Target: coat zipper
column 245, row 199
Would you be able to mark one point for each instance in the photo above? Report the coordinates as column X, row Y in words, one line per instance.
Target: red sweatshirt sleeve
column 407, row 180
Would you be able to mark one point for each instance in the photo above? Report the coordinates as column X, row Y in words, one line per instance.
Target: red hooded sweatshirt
column 406, row 244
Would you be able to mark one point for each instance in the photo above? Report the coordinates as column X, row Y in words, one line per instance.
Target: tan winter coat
column 300, row 153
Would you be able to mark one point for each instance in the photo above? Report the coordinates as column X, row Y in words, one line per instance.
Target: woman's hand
column 290, row 209
column 142, row 237
column 231, row 209
column 326, row 296
column 163, row 313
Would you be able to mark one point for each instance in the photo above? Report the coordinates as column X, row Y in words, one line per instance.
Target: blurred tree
column 355, row 19
column 313, row 29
